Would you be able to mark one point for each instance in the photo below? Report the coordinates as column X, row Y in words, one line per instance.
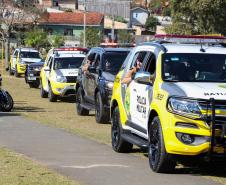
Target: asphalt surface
column 84, row 160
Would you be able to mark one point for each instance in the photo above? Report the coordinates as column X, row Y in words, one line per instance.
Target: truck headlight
column 109, row 84
column 184, row 107
column 61, row 79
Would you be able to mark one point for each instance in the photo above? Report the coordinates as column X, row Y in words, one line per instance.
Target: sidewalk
column 81, row 159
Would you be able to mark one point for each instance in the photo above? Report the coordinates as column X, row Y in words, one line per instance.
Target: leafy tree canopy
column 124, row 37
column 36, row 38
column 198, row 17
column 93, row 37
column 151, row 23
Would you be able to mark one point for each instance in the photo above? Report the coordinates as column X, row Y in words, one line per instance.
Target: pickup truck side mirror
column 46, row 68
column 144, row 78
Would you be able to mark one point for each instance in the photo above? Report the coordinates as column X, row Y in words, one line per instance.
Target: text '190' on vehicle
column 175, row 104
column 59, row 74
column 95, row 81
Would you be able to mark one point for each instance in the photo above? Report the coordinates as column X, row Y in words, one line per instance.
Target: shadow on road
column 70, row 99
column 196, row 168
column 9, row 114
column 27, row 109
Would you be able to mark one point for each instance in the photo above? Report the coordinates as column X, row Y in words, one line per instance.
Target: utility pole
column 113, row 29
column 84, row 25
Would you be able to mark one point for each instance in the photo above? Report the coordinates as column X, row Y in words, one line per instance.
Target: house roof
column 72, row 18
column 143, row 9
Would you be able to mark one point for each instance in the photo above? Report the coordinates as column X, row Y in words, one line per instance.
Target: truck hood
column 67, row 72
column 30, row 60
column 196, row 90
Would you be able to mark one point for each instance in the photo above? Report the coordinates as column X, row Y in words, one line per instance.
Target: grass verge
column 16, row 169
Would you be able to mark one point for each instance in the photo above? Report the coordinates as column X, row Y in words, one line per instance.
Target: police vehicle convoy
column 32, row 74
column 94, row 85
column 175, row 105
column 59, row 74
column 22, row 57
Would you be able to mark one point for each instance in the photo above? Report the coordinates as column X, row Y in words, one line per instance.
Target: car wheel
column 79, row 100
column 100, row 114
column 159, row 160
column 43, row 93
column 16, row 74
column 52, row 97
column 118, row 143
column 6, row 103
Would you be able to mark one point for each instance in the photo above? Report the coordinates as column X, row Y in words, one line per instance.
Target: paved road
column 84, row 160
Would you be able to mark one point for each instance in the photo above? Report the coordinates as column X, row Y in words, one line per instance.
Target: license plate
column 31, row 78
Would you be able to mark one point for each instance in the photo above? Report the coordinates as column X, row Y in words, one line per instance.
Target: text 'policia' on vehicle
column 59, row 74
column 175, row 105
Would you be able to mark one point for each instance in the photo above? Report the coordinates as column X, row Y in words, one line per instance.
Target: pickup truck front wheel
column 160, row 161
column 52, row 97
column 118, row 143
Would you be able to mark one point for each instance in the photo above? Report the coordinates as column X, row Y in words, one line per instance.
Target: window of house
column 68, row 32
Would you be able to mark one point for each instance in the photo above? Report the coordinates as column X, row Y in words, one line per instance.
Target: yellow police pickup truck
column 21, row 58
column 59, row 74
column 175, row 104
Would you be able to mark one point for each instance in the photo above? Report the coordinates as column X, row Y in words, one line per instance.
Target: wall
column 138, row 17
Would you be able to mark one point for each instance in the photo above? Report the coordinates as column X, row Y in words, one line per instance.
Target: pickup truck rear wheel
column 79, row 101
column 118, row 143
column 100, row 113
column 160, row 161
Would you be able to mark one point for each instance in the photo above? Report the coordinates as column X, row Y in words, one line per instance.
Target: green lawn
column 15, row 169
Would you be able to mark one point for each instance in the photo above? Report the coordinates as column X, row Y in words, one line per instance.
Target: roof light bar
column 192, row 39
column 71, row 49
column 114, row 44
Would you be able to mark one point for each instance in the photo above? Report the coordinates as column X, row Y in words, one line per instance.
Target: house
column 138, row 16
column 71, row 24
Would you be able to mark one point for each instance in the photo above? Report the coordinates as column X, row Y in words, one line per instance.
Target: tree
column 198, row 17
column 15, row 13
column 151, row 23
column 124, row 36
column 93, row 37
column 37, row 39
column 57, row 41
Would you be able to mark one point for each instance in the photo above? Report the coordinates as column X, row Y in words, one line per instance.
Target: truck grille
column 220, row 110
column 71, row 79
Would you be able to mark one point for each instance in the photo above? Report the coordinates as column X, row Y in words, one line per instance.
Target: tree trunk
column 7, row 54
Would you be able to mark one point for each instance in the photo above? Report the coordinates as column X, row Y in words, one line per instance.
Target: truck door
column 86, row 74
column 141, row 96
column 46, row 74
column 92, row 78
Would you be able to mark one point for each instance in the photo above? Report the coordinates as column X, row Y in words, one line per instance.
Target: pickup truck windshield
column 194, row 67
column 68, row 62
column 113, row 61
column 28, row 54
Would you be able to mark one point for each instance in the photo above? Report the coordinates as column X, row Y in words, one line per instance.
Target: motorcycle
column 6, row 100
